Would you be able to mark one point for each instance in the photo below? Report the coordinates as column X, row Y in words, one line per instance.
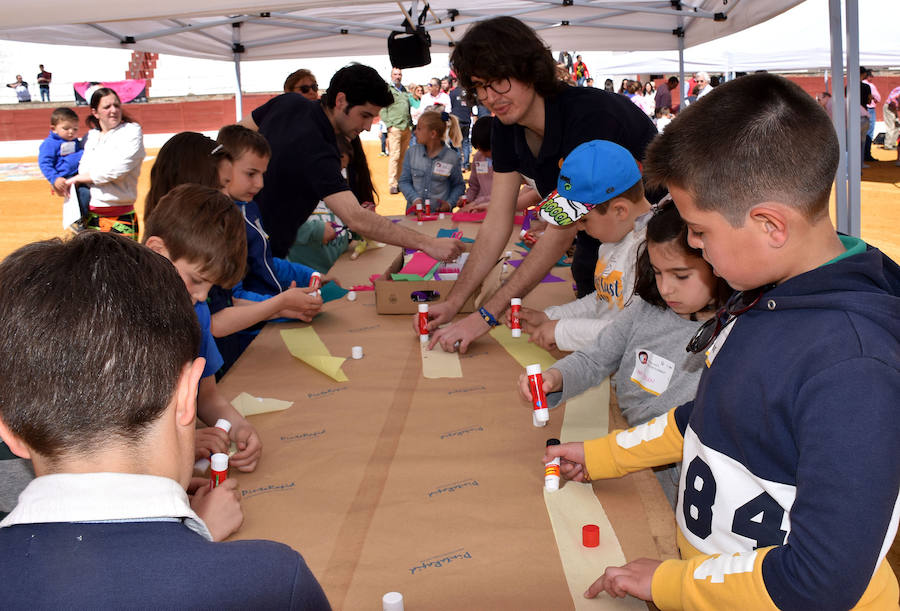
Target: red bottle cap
column 590, row 535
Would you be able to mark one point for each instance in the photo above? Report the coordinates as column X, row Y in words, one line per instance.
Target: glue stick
column 515, row 306
column 218, row 471
column 223, row 424
column 427, row 206
column 315, row 281
column 538, row 398
column 419, row 211
column 423, row 322
column 551, row 470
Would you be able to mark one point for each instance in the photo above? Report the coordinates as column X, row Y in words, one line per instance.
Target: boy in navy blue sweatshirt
column 102, row 398
column 60, row 153
column 790, row 486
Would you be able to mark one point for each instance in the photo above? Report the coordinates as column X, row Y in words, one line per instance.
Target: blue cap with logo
column 593, row 173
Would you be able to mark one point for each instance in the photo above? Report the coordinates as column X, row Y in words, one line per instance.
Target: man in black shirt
column 306, row 166
column 538, row 121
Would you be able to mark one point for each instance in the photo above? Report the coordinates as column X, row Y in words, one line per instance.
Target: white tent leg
column 238, row 94
column 854, row 186
column 839, row 113
column 682, row 83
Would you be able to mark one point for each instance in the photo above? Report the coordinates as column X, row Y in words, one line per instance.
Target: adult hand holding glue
column 534, row 386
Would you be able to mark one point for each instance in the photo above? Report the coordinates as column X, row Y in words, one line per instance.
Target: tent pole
column 854, row 187
column 839, row 113
column 238, row 49
column 681, row 81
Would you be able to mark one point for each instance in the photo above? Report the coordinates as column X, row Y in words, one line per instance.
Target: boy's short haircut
column 361, row 85
column 481, row 133
column 203, row 226
column 747, row 142
column 504, row 47
column 94, row 332
column 238, row 139
column 63, row 114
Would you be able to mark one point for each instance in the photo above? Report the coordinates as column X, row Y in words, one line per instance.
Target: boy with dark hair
column 104, row 405
column 791, row 476
column 60, row 153
column 201, row 232
column 306, row 162
column 538, row 121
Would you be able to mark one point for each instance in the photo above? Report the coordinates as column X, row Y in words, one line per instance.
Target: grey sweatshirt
column 645, row 346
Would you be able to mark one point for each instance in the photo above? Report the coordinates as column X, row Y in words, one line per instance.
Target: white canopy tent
column 243, row 30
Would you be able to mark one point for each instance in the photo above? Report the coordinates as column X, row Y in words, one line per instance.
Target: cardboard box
column 395, row 297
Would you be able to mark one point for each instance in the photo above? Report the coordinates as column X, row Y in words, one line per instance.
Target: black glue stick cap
column 553, row 442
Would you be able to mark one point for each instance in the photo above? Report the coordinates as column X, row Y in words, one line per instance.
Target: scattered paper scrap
column 248, row 405
column 304, row 343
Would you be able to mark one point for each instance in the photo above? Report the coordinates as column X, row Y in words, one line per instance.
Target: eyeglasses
column 736, row 305
column 499, row 86
column 308, row 88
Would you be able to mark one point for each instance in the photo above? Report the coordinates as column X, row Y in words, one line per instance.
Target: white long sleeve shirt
column 113, row 161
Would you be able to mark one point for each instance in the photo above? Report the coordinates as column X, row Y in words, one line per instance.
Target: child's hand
column 634, row 578
column 443, row 206
column 328, row 234
column 531, row 319
column 248, row 444
column 298, row 303
column 553, row 381
column 210, row 440
column 544, row 335
column 219, row 508
column 572, row 459
column 60, row 187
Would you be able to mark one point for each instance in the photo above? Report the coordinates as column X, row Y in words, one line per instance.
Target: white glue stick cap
column 515, row 301
column 223, row 424
column 517, row 332
column 508, row 254
column 535, row 421
column 441, row 216
column 533, row 369
column 551, row 484
column 423, row 339
column 522, row 233
column 392, row 601
column 219, row 462
column 356, row 352
column 351, row 296
column 423, row 307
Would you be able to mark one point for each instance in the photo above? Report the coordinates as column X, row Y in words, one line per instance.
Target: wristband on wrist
column 488, row 318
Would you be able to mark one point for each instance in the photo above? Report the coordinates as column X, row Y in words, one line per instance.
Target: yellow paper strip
column 248, row 405
column 521, row 349
column 304, row 343
column 587, row 415
column 439, row 364
column 570, row 508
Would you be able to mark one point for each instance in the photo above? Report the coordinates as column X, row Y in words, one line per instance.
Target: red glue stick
column 419, row 211
column 551, row 470
column 423, row 322
column 428, row 206
column 218, row 471
column 515, row 306
column 538, row 398
column 315, row 281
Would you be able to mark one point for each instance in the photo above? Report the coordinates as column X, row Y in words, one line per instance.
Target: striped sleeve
column 656, row 442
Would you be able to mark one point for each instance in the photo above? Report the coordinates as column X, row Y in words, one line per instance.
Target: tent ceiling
column 271, row 29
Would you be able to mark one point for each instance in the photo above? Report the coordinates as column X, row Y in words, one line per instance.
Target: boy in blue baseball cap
column 600, row 190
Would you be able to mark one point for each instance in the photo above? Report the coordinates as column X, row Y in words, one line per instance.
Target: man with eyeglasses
column 397, row 120
column 539, row 120
column 305, row 166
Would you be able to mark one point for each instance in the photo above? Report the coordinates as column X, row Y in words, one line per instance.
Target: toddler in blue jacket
column 60, row 153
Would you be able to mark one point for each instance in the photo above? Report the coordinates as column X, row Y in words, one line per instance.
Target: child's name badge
column 442, row 169
column 67, row 147
column 652, row 372
column 481, row 167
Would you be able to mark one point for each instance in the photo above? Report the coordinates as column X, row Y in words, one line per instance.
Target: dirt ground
column 28, row 212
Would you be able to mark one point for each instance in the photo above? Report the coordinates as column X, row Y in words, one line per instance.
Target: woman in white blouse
column 113, row 152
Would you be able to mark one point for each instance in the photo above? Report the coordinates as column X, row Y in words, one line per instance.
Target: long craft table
column 430, row 487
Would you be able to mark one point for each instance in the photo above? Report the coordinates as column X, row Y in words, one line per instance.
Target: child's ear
column 621, row 208
column 156, row 244
column 772, row 221
column 16, row 445
column 186, row 392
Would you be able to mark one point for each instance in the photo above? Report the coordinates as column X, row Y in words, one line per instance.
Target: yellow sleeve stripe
column 657, row 442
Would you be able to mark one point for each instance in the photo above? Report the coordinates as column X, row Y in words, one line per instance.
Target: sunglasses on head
column 307, row 88
column 737, row 304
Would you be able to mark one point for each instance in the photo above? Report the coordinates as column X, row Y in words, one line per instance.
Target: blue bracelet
column 488, row 318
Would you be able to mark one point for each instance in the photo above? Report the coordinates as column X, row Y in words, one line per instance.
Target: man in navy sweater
column 102, row 398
